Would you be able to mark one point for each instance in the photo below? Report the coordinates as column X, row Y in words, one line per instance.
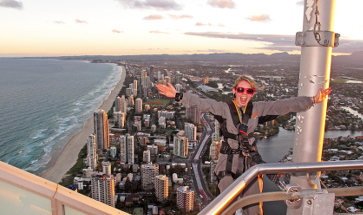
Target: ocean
column 44, row 103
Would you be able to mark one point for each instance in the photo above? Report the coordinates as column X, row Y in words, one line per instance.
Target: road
column 196, row 162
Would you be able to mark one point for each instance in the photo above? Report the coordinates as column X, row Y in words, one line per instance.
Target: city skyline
column 133, row 27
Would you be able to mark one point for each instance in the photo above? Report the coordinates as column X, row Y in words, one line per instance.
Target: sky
column 40, row 28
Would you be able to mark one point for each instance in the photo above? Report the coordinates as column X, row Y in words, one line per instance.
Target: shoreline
column 59, row 165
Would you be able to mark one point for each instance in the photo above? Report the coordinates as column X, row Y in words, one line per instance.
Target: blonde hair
column 250, row 80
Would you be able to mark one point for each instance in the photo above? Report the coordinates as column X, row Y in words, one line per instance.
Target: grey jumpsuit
column 260, row 108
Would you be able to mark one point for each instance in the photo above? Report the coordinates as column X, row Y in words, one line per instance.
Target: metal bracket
column 313, row 179
column 295, row 191
column 307, row 39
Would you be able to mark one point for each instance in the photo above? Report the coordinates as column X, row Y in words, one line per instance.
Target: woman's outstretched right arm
column 189, row 100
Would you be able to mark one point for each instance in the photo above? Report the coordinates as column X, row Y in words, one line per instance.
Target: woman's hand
column 321, row 95
column 168, row 91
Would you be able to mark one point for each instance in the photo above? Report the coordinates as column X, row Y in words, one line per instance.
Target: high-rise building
column 123, row 104
column 92, row 151
column 113, row 151
column 216, row 135
column 160, row 75
column 193, row 113
column 135, row 84
column 148, row 173
column 130, row 149
column 127, row 149
column 144, row 73
column 178, row 87
column 181, row 146
column 185, row 198
column 153, row 149
column 117, row 104
column 106, row 168
column 103, row 188
column 146, row 156
column 161, row 187
column 130, row 101
column 101, row 129
column 123, row 150
column 129, row 91
column 151, row 73
column 214, row 150
column 120, row 119
column 138, row 105
column 190, row 131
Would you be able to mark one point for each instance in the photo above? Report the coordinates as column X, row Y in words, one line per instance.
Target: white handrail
column 60, row 197
column 224, row 199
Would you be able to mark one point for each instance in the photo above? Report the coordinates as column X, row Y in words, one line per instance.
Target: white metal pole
column 315, row 66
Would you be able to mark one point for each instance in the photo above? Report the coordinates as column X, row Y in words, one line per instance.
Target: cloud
column 209, row 24
column 259, row 18
column 300, row 3
column 12, row 4
column 283, row 43
column 222, row 3
column 274, row 42
column 151, row 4
column 158, row 32
column 59, row 22
column 180, row 16
column 348, row 46
column 153, row 17
column 116, row 31
column 81, row 21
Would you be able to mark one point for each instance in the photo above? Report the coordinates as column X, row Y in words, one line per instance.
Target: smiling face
column 242, row 98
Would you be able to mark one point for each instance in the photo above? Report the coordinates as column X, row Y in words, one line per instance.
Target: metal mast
column 316, row 41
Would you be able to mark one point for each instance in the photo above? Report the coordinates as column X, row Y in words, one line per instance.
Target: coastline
column 59, row 165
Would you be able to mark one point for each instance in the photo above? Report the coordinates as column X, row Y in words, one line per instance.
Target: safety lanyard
column 239, row 115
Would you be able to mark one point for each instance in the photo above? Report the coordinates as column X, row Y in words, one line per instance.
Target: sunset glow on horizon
column 134, row 27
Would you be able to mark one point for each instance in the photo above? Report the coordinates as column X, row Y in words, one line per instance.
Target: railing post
column 315, row 65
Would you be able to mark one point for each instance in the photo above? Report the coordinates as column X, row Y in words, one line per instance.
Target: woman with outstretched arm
column 238, row 119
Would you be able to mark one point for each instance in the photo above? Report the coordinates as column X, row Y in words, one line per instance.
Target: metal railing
column 223, row 200
column 25, row 193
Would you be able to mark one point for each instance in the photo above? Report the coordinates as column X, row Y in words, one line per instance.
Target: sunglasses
column 248, row 90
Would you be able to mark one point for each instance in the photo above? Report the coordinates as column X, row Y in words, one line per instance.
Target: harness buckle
column 226, row 149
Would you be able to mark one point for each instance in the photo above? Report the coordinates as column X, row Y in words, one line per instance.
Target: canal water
column 274, row 149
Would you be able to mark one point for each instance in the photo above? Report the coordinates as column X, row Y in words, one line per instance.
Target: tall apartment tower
column 127, row 149
column 123, row 150
column 216, row 135
column 130, row 149
column 130, row 101
column 146, row 156
column 161, row 188
column 106, row 168
column 214, row 149
column 148, row 173
column 151, row 74
column 123, row 104
column 135, row 84
column 144, row 73
column 117, row 104
column 92, row 157
column 185, row 198
column 181, row 146
column 193, row 113
column 138, row 105
column 103, row 188
column 101, row 129
column 190, row 131
column 120, row 119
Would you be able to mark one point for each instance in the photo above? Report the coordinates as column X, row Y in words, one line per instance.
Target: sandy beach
column 68, row 157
